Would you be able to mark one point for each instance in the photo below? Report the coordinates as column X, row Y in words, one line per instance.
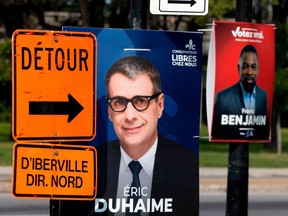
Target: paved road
column 211, row 204
column 22, row 207
column 268, row 194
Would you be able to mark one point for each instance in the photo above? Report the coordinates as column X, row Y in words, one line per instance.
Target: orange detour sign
column 54, row 171
column 54, row 85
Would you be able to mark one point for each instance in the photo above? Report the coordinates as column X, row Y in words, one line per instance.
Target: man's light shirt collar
column 147, row 160
column 249, row 99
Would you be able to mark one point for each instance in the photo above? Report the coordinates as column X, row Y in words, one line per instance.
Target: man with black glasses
column 240, row 111
column 142, row 172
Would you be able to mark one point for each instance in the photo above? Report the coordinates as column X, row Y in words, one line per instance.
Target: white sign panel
column 179, row 7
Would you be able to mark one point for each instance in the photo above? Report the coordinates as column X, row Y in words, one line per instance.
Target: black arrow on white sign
column 71, row 108
column 191, row 2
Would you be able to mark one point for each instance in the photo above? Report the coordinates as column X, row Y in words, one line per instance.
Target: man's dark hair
column 131, row 67
column 248, row 48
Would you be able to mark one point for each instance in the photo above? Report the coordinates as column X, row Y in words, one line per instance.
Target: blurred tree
column 115, row 14
column 119, row 13
column 84, row 8
column 5, row 80
column 280, row 102
column 14, row 12
column 93, row 12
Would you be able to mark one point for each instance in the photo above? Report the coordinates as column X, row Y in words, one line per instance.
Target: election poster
column 148, row 110
column 240, row 82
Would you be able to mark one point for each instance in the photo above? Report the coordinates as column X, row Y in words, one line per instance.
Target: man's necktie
column 135, row 168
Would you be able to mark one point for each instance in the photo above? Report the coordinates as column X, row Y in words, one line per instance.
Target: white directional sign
column 179, row 7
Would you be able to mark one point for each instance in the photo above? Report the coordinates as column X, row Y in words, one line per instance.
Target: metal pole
column 243, row 11
column 138, row 18
column 54, row 207
column 238, row 161
column 237, row 185
column 138, row 21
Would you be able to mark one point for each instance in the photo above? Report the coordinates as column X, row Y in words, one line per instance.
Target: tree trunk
column 85, row 12
column 274, row 130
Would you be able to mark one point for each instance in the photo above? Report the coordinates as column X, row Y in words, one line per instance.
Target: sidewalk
column 5, row 178
column 261, row 180
column 212, row 180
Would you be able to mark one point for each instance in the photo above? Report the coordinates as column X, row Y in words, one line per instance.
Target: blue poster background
column 178, row 57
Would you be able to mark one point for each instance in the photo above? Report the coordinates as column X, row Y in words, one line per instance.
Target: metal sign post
column 138, row 14
column 238, row 167
column 179, row 7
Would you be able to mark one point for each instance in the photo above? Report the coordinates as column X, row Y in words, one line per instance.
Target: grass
column 211, row 154
column 6, row 149
column 5, row 131
column 216, row 154
column 6, row 145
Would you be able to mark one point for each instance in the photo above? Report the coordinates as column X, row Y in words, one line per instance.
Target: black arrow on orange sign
column 71, row 108
column 191, row 2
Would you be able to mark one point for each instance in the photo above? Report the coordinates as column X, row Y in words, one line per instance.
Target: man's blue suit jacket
column 230, row 102
column 175, row 175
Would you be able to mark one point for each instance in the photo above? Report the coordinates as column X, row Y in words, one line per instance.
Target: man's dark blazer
column 230, row 101
column 175, row 175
